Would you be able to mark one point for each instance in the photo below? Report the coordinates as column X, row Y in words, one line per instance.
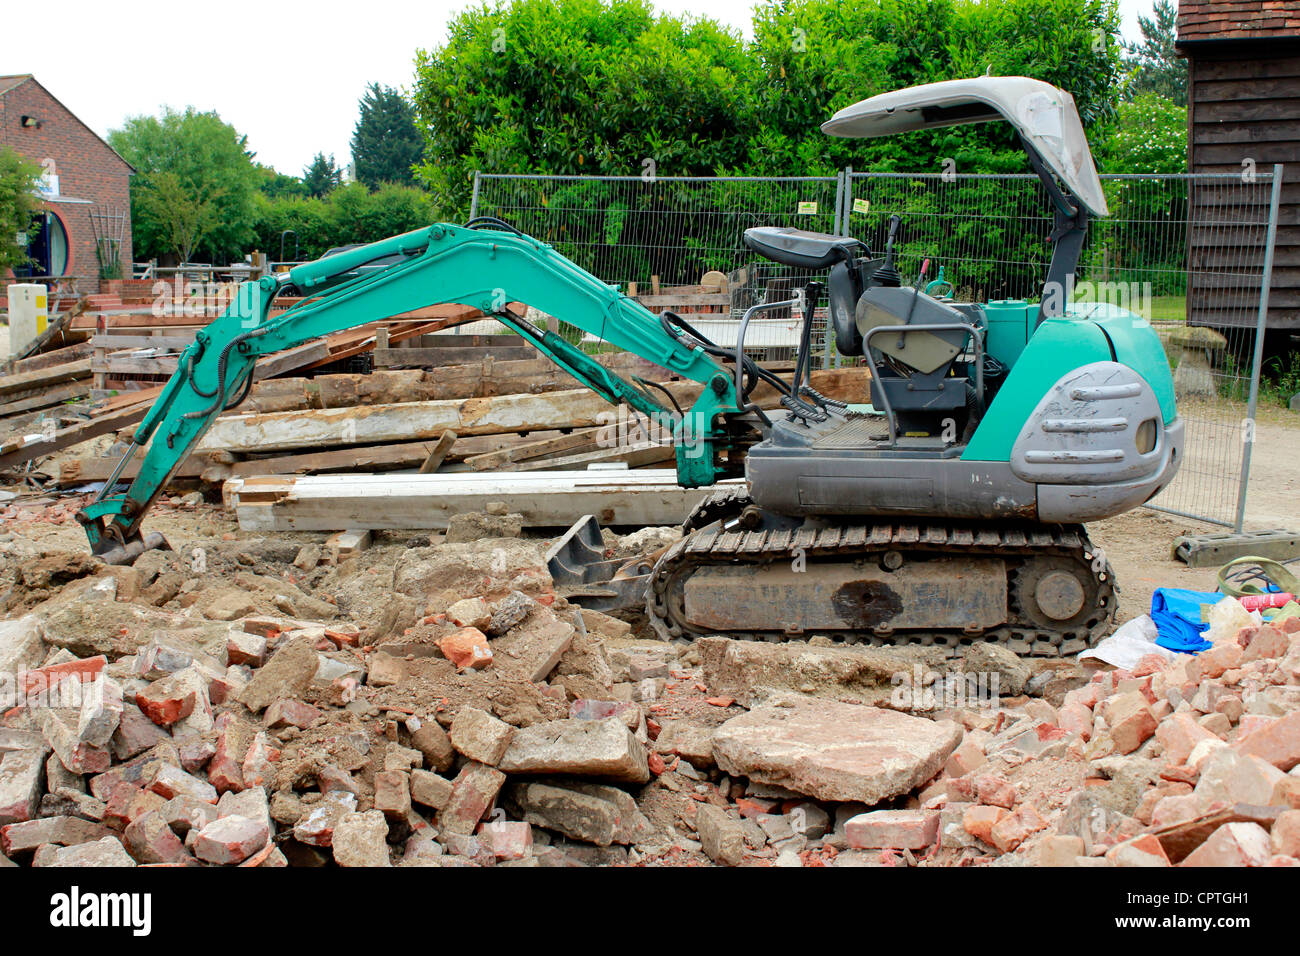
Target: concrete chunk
column 586, row 748
column 833, row 751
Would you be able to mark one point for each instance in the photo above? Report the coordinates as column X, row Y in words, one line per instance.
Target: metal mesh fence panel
column 668, row 233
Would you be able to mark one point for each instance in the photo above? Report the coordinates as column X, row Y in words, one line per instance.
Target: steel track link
column 1022, row 545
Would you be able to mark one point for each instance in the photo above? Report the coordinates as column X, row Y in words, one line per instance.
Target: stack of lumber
column 35, row 423
column 490, row 417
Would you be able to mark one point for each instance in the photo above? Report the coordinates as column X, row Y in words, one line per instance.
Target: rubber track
column 711, row 545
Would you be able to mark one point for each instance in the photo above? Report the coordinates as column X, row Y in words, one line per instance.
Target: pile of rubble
column 436, row 702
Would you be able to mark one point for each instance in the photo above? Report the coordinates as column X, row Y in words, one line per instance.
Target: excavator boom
column 486, row 268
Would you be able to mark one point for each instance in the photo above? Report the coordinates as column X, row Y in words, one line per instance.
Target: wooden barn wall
column 1244, row 103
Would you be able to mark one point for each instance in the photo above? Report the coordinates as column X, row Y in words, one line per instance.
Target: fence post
column 473, row 203
column 846, row 216
column 1261, row 327
column 838, row 228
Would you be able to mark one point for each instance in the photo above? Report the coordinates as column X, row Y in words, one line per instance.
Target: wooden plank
column 130, row 364
column 177, row 342
column 698, row 298
column 47, row 398
column 537, row 449
column 66, row 372
column 418, row 502
column 1220, row 90
column 287, row 360
column 1244, row 111
column 436, row 357
column 440, row 451
column 17, row 451
column 376, row 459
column 1240, row 69
column 1261, row 153
column 407, row 421
column 435, row 340
column 346, row 544
column 635, row 456
column 276, row 363
column 84, row 470
column 44, row 360
column 1277, row 131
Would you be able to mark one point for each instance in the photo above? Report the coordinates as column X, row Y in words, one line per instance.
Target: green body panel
column 1010, row 323
column 446, row 263
column 1057, row 347
column 1137, row 346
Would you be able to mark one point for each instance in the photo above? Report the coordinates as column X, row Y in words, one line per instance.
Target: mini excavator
column 945, row 508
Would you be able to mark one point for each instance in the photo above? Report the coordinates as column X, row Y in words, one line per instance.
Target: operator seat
column 815, row 251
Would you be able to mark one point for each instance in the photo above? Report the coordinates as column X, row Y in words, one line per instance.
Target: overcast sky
column 290, row 81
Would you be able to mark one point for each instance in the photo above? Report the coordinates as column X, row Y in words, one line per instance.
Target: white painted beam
column 427, row 502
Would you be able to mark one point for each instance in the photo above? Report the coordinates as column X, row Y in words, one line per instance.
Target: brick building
column 84, row 180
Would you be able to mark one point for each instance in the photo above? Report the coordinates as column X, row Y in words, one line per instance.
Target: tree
column 276, row 184
column 814, row 57
column 603, row 86
column 1154, row 65
column 18, row 202
column 1149, row 136
column 321, row 176
column 579, row 86
column 193, row 189
column 350, row 213
column 385, row 144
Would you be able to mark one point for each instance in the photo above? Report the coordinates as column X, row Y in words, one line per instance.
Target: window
column 47, row 247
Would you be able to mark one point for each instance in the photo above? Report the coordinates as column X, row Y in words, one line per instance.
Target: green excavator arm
column 484, row 268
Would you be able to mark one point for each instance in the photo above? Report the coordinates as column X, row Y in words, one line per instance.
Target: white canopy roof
column 1044, row 115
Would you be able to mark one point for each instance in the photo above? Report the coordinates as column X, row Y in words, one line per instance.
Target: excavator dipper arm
column 484, row 268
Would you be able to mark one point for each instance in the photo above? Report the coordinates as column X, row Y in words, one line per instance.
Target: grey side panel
column 1091, row 502
column 1084, row 431
column 821, row 483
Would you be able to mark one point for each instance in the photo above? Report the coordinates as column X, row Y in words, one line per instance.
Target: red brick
column 1179, row 734
column 393, row 794
column 258, row 769
column 245, row 648
column 1267, row 642
column 1278, row 743
column 1014, row 828
column 466, row 648
column 43, row 679
column 893, row 829
column 1140, row 851
column 1233, row 844
column 994, row 791
column 290, row 713
column 1285, row 834
column 472, row 794
column 149, row 839
column 230, row 840
column 979, row 821
column 507, row 839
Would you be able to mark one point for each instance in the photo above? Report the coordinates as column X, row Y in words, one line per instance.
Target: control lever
column 887, row 275
column 803, row 361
